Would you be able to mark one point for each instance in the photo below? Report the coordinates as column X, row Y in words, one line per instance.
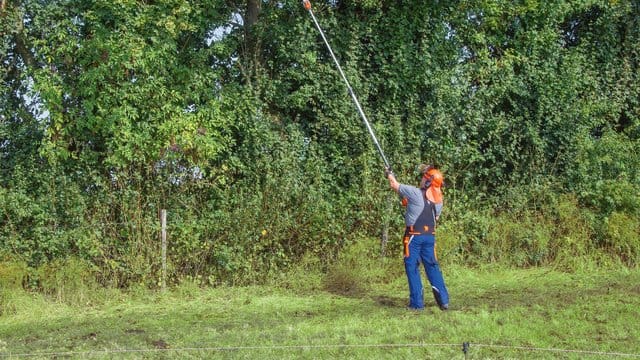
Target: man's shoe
column 444, row 307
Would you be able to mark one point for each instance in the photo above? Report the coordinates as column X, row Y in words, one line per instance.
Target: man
column 424, row 206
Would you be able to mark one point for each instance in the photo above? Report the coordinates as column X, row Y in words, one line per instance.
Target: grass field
column 502, row 313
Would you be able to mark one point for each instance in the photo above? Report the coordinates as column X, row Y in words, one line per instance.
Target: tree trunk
column 253, row 10
column 251, row 40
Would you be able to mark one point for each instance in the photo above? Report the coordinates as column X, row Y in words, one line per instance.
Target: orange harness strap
column 409, row 232
column 405, row 242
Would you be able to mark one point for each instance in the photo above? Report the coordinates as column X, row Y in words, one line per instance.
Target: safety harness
column 426, row 222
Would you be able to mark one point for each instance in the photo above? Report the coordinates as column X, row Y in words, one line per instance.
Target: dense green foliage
column 232, row 116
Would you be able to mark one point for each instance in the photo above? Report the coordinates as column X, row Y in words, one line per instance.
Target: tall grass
column 561, row 234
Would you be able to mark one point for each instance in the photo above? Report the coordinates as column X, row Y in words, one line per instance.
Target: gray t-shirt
column 415, row 203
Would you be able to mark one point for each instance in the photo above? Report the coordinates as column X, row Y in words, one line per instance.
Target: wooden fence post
column 163, row 235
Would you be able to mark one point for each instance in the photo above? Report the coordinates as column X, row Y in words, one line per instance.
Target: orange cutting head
column 307, row 4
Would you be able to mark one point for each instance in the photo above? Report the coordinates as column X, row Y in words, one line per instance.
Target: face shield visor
column 421, row 171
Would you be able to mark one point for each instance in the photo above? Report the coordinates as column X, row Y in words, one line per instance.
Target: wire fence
column 465, row 348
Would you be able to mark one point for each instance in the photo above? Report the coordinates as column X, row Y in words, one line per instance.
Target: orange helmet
column 434, row 177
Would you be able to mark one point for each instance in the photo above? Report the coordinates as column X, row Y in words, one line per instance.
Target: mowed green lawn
column 502, row 313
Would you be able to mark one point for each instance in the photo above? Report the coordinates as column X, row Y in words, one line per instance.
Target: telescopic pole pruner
column 307, row 6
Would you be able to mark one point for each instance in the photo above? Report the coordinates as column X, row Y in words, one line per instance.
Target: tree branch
column 20, row 47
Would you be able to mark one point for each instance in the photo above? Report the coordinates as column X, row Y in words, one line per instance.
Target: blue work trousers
column 422, row 249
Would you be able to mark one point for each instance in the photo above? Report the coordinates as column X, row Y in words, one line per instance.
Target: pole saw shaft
column 307, row 6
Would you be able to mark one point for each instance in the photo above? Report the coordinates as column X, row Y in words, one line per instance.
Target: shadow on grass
column 390, row 302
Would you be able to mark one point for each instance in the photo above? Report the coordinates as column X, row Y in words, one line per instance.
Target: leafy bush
column 249, row 140
column 606, row 173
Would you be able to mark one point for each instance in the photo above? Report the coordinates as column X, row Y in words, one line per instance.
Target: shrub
column 70, row 280
column 605, row 173
column 13, row 274
column 573, row 235
column 519, row 239
column 622, row 238
column 471, row 226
